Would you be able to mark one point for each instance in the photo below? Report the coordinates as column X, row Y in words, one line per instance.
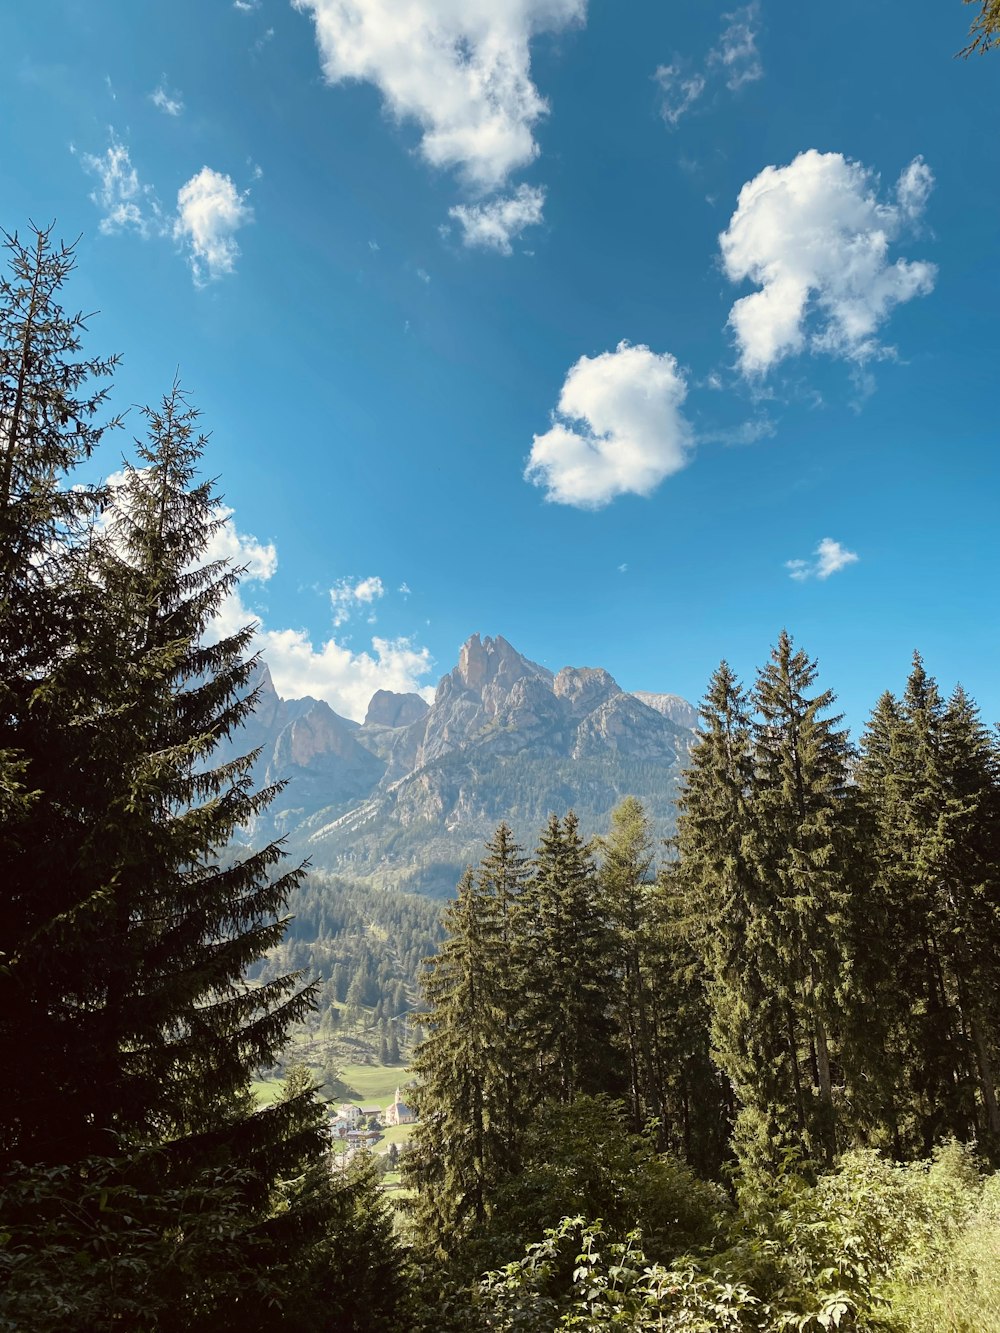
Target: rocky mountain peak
column 672, row 706
column 411, row 795
column 584, row 688
column 389, row 709
column 488, row 661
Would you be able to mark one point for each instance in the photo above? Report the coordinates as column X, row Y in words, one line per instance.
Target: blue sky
column 633, row 333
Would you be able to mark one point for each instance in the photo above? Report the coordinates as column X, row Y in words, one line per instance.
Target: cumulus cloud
column 680, row 91
column 125, row 202
column 828, row 558
column 814, row 237
column 210, row 210
column 260, row 560
column 618, row 429
column 345, row 679
column 349, row 595
column 169, row 104
column 736, row 52
column 460, row 69
column 498, row 222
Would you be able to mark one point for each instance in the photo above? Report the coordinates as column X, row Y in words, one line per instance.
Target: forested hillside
column 365, row 948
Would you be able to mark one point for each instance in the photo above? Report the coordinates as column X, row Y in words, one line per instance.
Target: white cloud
column 815, row 238
column 210, row 210
column 828, row 558
column 618, row 429
column 747, row 432
column 735, row 57
column 737, row 52
column 170, row 105
column 348, row 595
column 680, row 92
column 121, row 196
column 495, row 224
column 346, row 680
column 227, row 543
column 246, row 6
column 914, row 187
column 459, row 68
column 423, row 275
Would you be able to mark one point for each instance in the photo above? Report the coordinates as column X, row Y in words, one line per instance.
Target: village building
column 399, row 1113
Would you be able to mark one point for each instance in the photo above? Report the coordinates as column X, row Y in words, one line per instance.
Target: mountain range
column 408, row 797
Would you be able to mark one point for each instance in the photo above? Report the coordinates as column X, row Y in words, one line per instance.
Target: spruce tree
column 730, row 913
column 971, row 763
column 502, row 876
column 693, row 1099
column 471, row 1069
column 446, row 1163
column 568, row 968
column 130, row 1031
column 50, row 408
column 802, row 849
column 627, row 889
column 930, row 784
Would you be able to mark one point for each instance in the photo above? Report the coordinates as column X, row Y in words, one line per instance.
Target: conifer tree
column 470, row 1069
column 930, row 783
column 49, row 423
column 155, row 1030
column 731, row 918
column 801, row 845
column 446, row 1162
column 972, row 895
column 567, row 968
column 693, row 1099
column 130, row 1029
column 627, row 889
column 50, row 408
column 503, row 874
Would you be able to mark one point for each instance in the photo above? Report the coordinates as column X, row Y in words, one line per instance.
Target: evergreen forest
column 745, row 1080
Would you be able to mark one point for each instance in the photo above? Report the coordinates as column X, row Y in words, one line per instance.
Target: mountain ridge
column 407, row 797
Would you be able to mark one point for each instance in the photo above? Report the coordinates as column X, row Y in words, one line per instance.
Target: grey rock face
column 472, row 695
column 583, row 689
column 388, row 709
column 623, row 724
column 672, row 706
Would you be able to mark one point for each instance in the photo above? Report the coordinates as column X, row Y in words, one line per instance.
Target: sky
column 632, row 332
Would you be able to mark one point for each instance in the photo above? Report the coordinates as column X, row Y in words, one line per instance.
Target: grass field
column 371, row 1083
column 266, row 1091
column 397, row 1134
column 368, row 1085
